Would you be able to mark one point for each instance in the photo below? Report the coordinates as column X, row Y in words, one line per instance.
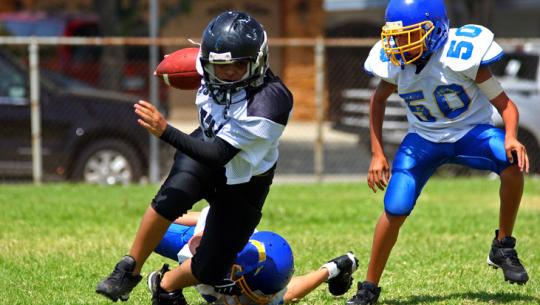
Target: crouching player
column 262, row 273
column 444, row 79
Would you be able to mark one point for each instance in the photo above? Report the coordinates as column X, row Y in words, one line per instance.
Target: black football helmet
column 232, row 37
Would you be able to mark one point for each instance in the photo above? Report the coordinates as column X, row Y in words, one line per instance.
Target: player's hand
column 514, row 149
column 379, row 173
column 228, row 287
column 150, row 118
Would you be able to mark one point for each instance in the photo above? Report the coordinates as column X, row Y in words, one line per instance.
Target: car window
column 519, row 65
column 12, row 85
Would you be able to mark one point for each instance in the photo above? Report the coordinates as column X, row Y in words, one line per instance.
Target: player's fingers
column 140, row 110
column 144, row 124
column 509, row 155
column 521, row 155
column 378, row 180
column 521, row 158
column 526, row 162
column 146, row 110
column 371, row 182
column 143, row 115
column 387, row 175
column 146, row 104
column 384, row 179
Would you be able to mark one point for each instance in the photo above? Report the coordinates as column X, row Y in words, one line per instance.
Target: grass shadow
column 485, row 297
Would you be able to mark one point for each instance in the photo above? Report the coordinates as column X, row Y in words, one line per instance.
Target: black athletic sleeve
column 217, row 153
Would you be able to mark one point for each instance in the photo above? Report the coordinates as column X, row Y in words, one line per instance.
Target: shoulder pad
column 273, row 102
column 379, row 65
column 469, row 47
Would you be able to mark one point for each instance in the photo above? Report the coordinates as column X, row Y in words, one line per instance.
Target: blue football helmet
column 414, row 29
column 264, row 267
column 233, row 37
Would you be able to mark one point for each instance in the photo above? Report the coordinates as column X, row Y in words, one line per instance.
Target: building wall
column 305, row 19
column 281, row 18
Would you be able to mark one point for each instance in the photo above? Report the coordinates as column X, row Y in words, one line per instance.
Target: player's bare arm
column 189, row 219
column 510, row 115
column 379, row 170
column 150, row 118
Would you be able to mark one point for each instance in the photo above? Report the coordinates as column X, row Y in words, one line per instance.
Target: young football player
column 229, row 160
column 262, row 272
column 444, row 79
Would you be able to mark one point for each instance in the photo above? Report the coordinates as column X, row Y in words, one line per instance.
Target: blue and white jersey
column 443, row 101
column 253, row 123
column 208, row 292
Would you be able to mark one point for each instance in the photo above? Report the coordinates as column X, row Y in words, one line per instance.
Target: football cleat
column 159, row 295
column 367, row 294
column 341, row 283
column 503, row 255
column 121, row 281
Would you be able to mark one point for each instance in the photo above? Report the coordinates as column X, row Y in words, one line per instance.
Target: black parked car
column 87, row 134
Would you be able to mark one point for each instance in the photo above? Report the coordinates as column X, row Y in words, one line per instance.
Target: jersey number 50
column 463, row 49
column 440, row 93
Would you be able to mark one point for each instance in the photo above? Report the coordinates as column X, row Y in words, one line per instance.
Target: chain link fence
column 78, row 123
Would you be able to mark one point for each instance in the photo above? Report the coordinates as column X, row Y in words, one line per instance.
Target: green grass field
column 58, row 241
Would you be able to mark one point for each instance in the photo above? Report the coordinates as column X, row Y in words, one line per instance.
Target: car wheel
column 108, row 162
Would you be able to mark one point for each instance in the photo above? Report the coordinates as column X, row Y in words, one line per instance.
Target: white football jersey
column 443, row 101
column 253, row 123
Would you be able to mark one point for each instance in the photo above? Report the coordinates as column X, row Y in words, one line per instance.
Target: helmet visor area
column 405, row 44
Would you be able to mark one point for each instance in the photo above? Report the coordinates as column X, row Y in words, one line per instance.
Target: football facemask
column 405, row 44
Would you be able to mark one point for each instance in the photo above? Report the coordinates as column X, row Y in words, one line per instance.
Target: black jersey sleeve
column 215, row 154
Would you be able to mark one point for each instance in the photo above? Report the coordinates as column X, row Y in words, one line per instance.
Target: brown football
column 178, row 69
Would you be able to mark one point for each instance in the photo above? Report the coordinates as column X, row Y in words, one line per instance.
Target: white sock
column 332, row 268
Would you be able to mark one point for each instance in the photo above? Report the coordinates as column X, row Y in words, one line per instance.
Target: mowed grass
column 58, row 241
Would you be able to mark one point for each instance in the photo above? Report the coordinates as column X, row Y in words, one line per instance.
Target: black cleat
column 159, row 295
column 121, row 281
column 504, row 256
column 347, row 264
column 367, row 294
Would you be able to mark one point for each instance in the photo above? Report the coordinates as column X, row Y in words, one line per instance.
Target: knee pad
column 401, row 194
column 177, row 195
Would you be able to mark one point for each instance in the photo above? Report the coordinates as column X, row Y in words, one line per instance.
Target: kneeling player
column 262, row 273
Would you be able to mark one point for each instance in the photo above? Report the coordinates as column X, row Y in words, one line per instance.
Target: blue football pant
column 417, row 159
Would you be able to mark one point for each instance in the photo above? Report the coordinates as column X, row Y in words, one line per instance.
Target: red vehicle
column 82, row 62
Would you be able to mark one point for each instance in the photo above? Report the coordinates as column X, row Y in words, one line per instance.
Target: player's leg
column 300, row 286
column 414, row 163
column 183, row 187
column 339, row 268
column 234, row 214
column 176, row 237
column 159, row 295
column 483, row 148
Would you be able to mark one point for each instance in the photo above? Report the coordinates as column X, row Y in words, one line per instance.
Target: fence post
column 319, row 112
column 37, row 167
column 154, row 91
